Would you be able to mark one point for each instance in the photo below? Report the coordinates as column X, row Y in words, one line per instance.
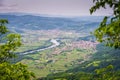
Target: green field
column 55, row 60
column 44, row 63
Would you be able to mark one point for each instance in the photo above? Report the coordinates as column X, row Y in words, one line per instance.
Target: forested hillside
column 32, row 22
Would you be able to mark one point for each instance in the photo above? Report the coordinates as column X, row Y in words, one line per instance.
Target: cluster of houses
column 77, row 45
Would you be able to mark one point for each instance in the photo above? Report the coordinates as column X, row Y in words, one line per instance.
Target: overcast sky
column 51, row 7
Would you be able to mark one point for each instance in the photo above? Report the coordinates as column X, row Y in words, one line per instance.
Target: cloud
column 1, row 3
column 52, row 7
column 7, row 7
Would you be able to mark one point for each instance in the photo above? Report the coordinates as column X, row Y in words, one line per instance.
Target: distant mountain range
column 20, row 21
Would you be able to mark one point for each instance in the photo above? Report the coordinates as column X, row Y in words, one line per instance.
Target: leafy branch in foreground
column 9, row 42
column 108, row 31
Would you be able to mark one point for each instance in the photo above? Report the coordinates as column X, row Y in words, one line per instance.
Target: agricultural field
column 70, row 53
column 75, row 45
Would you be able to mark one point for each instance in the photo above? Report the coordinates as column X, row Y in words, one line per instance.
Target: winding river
column 55, row 44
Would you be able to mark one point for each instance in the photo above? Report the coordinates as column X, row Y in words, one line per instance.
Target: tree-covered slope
column 31, row 22
column 104, row 64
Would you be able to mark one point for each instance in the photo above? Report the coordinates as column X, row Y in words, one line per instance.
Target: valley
column 66, row 54
column 52, row 45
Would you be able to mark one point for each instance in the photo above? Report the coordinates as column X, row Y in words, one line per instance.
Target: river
column 53, row 41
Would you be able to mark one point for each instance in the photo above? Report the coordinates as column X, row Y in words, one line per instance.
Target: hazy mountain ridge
column 31, row 22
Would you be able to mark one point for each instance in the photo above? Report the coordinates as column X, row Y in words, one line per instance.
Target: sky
column 51, row 7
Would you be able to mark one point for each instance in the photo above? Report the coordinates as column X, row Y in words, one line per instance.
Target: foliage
column 14, row 72
column 106, row 73
column 9, row 42
column 108, row 31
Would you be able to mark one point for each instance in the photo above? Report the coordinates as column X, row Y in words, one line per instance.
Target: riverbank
column 53, row 41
